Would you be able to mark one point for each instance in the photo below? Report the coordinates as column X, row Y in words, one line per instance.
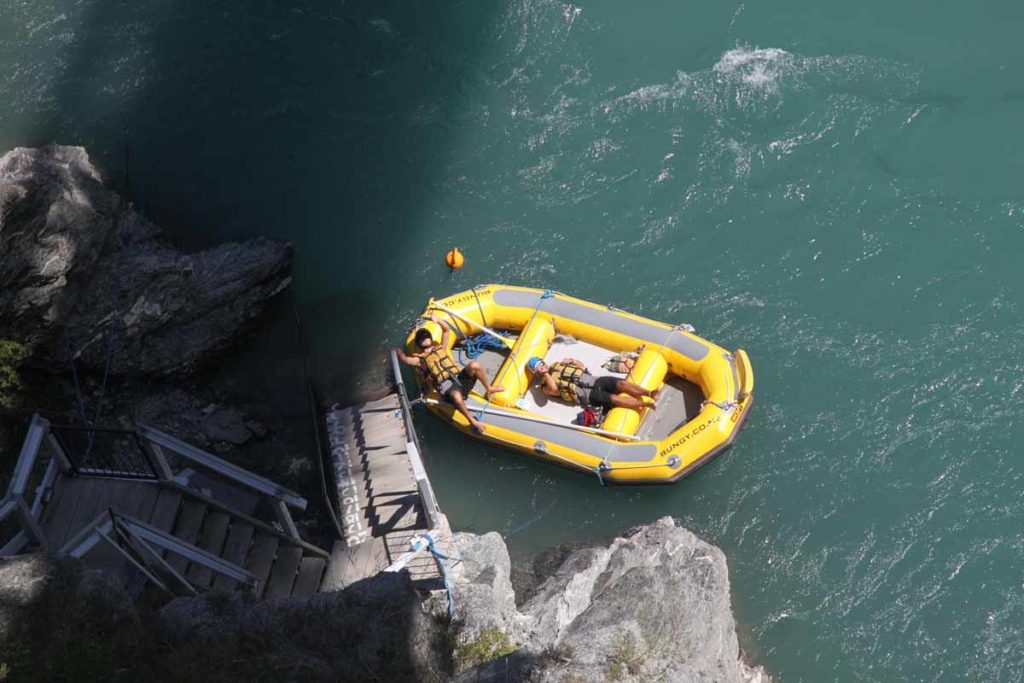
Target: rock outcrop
column 78, row 263
column 654, row 605
column 374, row 630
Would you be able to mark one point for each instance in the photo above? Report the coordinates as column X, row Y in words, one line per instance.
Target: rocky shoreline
column 654, row 604
column 87, row 282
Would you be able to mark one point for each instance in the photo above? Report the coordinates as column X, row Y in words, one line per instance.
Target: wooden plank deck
column 379, row 500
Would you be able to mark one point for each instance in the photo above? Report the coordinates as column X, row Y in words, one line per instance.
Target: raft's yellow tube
column 649, row 372
column 535, row 340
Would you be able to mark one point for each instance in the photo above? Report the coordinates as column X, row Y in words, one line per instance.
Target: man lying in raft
column 438, row 366
column 569, row 380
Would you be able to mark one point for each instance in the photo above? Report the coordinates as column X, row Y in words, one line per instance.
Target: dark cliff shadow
column 58, row 627
column 316, row 122
column 312, row 121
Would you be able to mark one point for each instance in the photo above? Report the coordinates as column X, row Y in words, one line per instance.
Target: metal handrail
column 426, row 490
column 228, row 470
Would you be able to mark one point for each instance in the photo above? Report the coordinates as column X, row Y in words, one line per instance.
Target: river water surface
column 835, row 187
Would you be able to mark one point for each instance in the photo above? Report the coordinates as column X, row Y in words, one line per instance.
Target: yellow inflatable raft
column 706, row 391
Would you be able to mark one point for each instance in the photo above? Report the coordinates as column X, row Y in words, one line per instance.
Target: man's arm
column 445, row 329
column 549, row 385
column 408, row 360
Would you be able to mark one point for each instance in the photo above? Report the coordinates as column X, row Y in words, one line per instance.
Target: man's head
column 423, row 339
column 536, row 365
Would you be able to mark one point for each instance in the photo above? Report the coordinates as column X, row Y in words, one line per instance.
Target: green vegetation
column 626, row 657
column 572, row 678
column 12, row 355
column 491, row 644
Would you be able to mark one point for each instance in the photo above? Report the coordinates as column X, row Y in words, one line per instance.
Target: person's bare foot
column 655, row 394
column 495, row 390
column 478, row 426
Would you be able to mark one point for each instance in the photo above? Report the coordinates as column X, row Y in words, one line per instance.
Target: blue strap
column 439, row 557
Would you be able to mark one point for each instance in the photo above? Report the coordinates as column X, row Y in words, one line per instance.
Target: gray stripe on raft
column 571, row 438
column 735, row 378
column 608, row 320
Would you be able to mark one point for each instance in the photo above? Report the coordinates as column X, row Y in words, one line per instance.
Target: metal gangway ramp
column 384, row 497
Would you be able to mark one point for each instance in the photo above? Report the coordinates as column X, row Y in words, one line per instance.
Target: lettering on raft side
column 448, row 303
column 687, row 436
column 348, row 488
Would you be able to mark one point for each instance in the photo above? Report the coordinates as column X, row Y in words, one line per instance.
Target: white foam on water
column 756, row 66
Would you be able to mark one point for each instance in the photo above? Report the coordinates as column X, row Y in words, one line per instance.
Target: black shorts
column 603, row 390
column 463, row 383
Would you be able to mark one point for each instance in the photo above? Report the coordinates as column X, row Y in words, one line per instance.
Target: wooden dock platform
column 381, row 495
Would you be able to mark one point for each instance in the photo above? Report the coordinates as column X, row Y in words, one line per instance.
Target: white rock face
column 654, row 605
column 482, row 589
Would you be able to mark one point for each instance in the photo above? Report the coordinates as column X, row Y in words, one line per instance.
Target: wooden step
column 349, row 565
column 211, row 539
column 261, row 556
column 311, row 570
column 236, row 547
column 190, row 521
column 166, row 509
column 282, row 575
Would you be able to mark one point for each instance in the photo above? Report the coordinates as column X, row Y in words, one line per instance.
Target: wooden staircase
column 198, row 523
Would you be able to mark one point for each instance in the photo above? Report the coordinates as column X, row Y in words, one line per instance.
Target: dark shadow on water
column 317, row 122
column 321, row 123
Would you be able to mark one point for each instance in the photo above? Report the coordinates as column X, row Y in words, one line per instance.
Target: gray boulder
column 374, row 630
column 23, row 581
column 654, row 605
column 75, row 257
column 482, row 590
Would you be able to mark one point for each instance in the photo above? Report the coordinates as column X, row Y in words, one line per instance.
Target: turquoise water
column 833, row 186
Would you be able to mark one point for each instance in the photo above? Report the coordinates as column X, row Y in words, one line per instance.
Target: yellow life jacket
column 567, row 377
column 438, row 366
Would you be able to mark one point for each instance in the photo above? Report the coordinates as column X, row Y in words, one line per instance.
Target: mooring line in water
column 531, row 522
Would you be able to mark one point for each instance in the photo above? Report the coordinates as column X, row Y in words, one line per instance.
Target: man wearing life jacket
column 440, row 370
column 569, row 380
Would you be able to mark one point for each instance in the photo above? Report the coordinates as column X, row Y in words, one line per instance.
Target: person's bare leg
column 637, row 391
column 460, row 403
column 477, row 371
column 628, row 402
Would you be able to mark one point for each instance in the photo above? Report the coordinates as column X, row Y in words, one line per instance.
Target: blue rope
column 439, row 557
column 530, row 523
column 478, row 343
column 69, row 345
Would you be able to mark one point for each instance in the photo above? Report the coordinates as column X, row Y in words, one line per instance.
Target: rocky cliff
column 79, row 267
column 652, row 605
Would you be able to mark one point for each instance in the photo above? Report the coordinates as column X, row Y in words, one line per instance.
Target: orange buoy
column 454, row 259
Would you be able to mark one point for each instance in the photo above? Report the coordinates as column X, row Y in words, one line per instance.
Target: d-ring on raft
column 705, row 391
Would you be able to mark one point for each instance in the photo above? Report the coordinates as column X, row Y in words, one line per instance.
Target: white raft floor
column 678, row 403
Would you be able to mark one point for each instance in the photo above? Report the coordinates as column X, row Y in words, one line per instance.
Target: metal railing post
column 412, row 446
